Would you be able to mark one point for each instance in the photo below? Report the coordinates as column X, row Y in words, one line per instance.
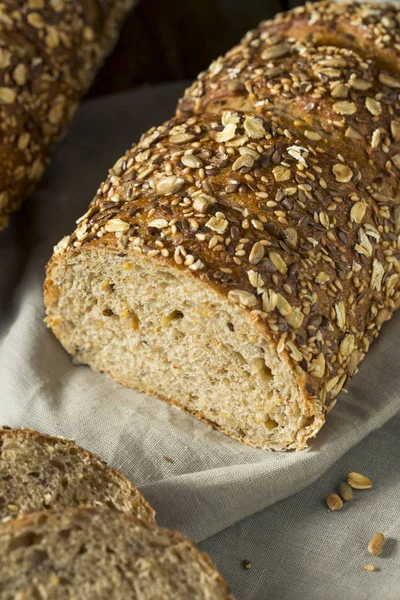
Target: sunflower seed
column 36, row 20
column 389, row 80
column 369, row 568
column 181, row 138
column 158, row 223
column 395, row 130
column 295, row 318
column 291, row 237
column 5, row 58
column 359, row 84
column 277, row 51
column 389, row 22
column 169, row 185
column 358, row 481
column 19, row 74
column 396, row 161
column 191, row 161
column 283, row 306
column 256, row 254
column 7, row 95
column 345, row 491
column 334, row 502
column 329, row 72
column 376, row 544
column 312, row 135
column 114, row 225
column 278, row 261
column 353, row 134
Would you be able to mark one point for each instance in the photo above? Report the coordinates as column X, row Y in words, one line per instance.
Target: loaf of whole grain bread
column 39, row 471
column 91, row 554
column 240, row 259
column 49, row 54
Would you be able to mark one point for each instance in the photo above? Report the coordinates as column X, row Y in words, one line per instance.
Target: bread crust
column 281, row 213
column 48, row 59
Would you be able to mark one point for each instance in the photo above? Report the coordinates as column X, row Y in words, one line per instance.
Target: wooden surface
column 169, row 41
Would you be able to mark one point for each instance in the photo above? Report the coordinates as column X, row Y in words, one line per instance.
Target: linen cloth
column 198, row 480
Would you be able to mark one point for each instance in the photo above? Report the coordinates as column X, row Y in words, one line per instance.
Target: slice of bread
column 39, row 472
column 98, row 553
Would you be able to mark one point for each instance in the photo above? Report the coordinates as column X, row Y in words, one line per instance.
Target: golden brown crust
column 49, row 54
column 299, row 255
column 280, row 211
column 139, row 505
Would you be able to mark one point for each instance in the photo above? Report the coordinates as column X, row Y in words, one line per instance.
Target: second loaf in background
column 241, row 258
column 50, row 52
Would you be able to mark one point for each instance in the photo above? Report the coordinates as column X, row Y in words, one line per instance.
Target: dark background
column 174, row 40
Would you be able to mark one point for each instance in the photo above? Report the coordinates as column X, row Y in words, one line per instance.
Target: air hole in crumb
column 25, row 540
column 107, row 312
column 231, row 326
column 239, row 357
column 270, row 424
column 173, row 316
column 82, row 550
column 222, row 371
column 65, row 533
column 261, row 369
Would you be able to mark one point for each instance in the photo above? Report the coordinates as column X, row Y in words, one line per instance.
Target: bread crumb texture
column 88, row 554
column 40, row 472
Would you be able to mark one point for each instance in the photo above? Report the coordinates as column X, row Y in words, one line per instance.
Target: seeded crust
column 241, row 258
column 89, row 554
column 49, row 54
column 39, row 472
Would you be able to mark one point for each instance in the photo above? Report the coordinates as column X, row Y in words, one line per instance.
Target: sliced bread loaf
column 97, row 553
column 39, row 471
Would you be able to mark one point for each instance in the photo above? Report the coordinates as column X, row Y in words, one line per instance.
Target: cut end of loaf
column 153, row 328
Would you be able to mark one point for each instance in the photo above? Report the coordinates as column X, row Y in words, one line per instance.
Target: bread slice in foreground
column 92, row 554
column 39, row 471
